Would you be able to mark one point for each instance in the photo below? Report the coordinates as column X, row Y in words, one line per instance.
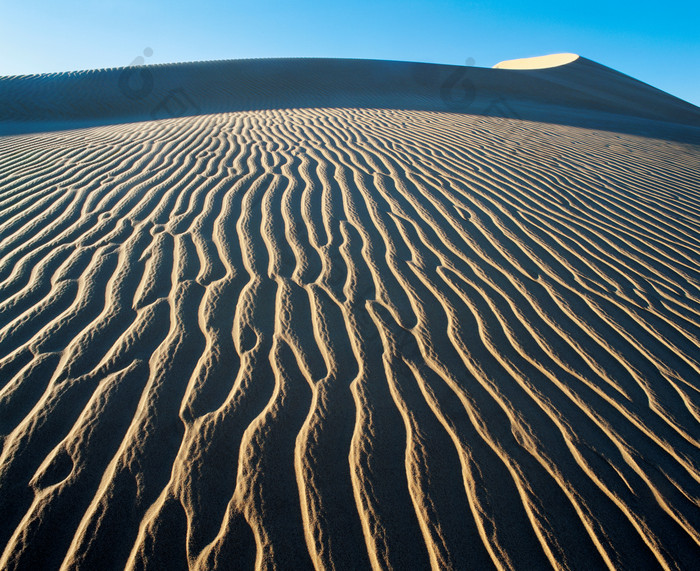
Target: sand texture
column 349, row 325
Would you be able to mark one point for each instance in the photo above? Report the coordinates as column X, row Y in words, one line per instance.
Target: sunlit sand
column 540, row 62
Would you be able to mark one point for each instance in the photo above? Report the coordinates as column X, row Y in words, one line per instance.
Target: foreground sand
column 350, row 337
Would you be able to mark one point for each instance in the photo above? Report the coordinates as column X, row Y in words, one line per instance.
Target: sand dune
column 349, row 325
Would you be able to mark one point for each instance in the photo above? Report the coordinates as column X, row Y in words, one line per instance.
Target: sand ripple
column 349, row 338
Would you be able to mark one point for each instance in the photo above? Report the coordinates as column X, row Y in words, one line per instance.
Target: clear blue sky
column 656, row 42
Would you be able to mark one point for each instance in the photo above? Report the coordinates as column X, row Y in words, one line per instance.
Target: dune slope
column 580, row 93
column 351, row 337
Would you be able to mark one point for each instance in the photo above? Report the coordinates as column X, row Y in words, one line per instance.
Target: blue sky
column 658, row 43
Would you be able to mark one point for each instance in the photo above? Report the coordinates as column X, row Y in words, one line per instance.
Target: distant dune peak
column 539, row 62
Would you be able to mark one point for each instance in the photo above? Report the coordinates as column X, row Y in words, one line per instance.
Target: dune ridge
column 578, row 93
column 349, row 338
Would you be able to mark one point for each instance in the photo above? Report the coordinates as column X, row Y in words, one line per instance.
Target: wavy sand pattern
column 349, row 338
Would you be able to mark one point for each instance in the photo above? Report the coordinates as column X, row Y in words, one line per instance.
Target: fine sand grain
column 352, row 335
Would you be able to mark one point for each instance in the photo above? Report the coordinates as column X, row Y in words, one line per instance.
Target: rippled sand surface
column 349, row 337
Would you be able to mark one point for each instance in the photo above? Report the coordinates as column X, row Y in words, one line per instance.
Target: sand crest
column 539, row 62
